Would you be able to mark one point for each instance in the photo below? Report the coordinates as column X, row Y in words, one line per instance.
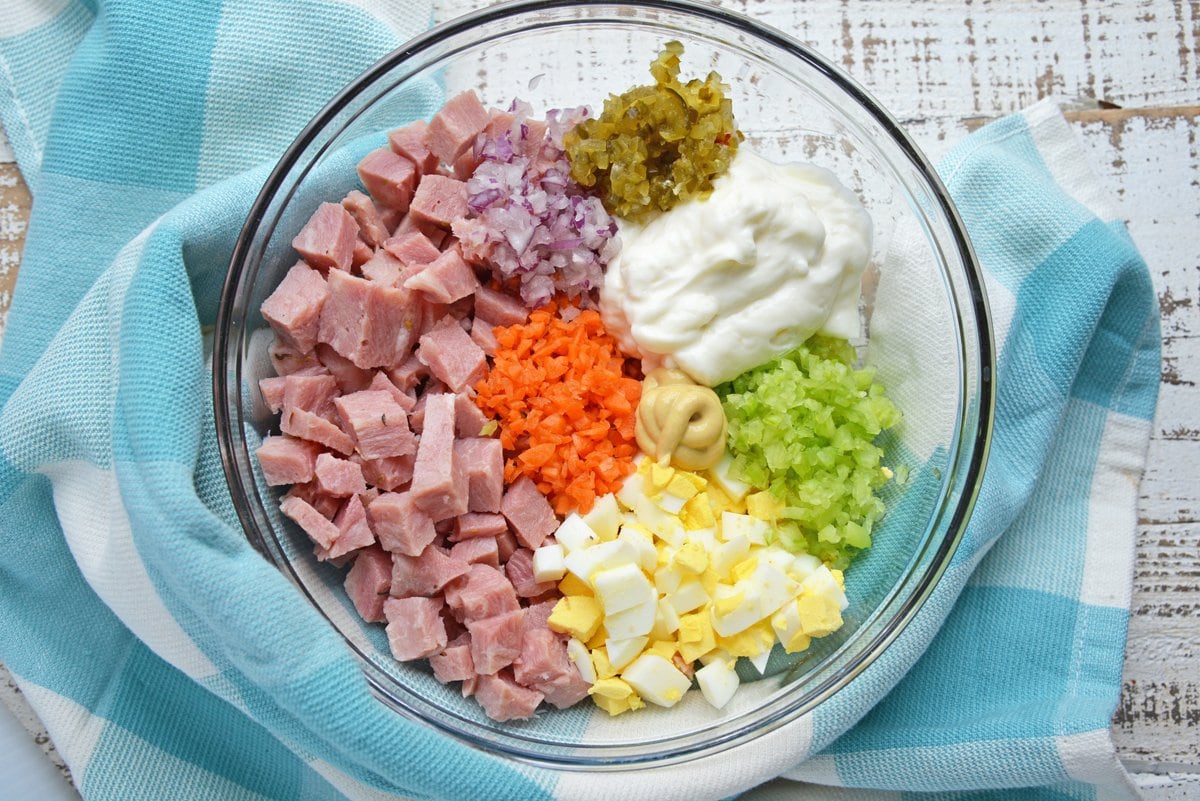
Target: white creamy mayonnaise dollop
column 718, row 286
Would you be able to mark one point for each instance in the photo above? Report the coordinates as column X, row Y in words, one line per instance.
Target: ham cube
column 478, row 551
column 496, row 641
column 377, row 423
column 473, row 525
column 381, row 383
column 528, row 512
column 543, row 666
column 390, row 472
column 484, row 461
column 483, row 334
column 317, row 526
column 382, row 268
column 286, row 359
column 314, row 428
column 412, row 247
column 409, row 374
column 354, row 530
column 400, row 526
column 519, row 569
column 503, row 699
column 338, row 477
column 327, row 240
column 287, row 460
column 439, row 201
column 368, row 323
column 410, row 224
column 367, row 583
column 425, row 574
column 389, row 178
column 327, row 505
column 415, row 629
column 469, row 419
column 271, row 388
column 293, row 310
column 411, row 142
column 446, row 279
column 440, row 484
column 366, row 214
column 349, row 377
column 452, row 357
column 454, row 128
column 465, row 164
column 482, row 593
column 312, row 393
column 499, row 308
column 361, row 254
column 537, row 614
column 454, row 662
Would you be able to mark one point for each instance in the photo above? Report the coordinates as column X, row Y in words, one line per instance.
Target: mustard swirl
column 679, row 421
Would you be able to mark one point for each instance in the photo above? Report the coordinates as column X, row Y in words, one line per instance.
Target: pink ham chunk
column 478, row 551
column 483, row 334
column 367, row 583
column 439, row 201
column 312, row 393
column 349, row 377
column 452, row 357
column 482, row 593
column 271, row 388
column 317, row 526
column 543, row 666
column 537, row 614
column 411, row 142
column 368, row 323
column 469, row 420
column 519, row 569
column 499, row 308
column 454, row 128
column 496, row 641
column 338, row 477
column 440, row 484
column 354, row 530
column 293, row 310
column 389, row 473
column 287, row 460
column 503, row 699
column 415, row 629
column 445, row 279
column 382, row 268
column 366, row 214
column 381, row 383
column 425, row 574
column 473, row 525
column 327, row 505
column 378, row 424
column 412, row 247
column 528, row 512
column 410, row 224
column 409, row 374
column 315, row 428
column 398, row 523
column 286, row 359
column 327, row 240
column 454, row 662
column 389, row 178
column 484, row 461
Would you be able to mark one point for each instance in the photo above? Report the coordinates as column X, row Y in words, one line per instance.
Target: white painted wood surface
column 1129, row 73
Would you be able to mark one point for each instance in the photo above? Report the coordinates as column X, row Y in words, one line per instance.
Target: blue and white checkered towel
column 169, row 661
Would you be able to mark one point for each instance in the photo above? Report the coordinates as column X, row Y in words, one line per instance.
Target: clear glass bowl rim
column 971, row 451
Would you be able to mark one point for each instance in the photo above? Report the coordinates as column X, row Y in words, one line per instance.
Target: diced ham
column 412, row 247
column 398, row 523
column 473, row 525
column 361, row 254
column 338, row 477
column 314, row 428
column 503, row 699
column 439, row 201
column 455, row 126
column 499, row 308
column 452, row 357
column 415, row 629
column 317, row 526
column 327, row 240
column 410, row 142
column 440, row 485
column 381, row 383
column 536, row 614
column 506, row 544
column 367, row 583
column 410, row 224
column 482, row 593
column 543, row 665
column 355, row 531
column 370, row 324
column 287, row 360
column 293, row 310
column 454, row 662
column 271, row 388
column 327, row 505
column 382, row 268
column 483, row 335
column 478, row 551
column 366, row 214
column 484, row 460
column 425, row 574
column 528, row 512
column 378, row 424
column 465, row 164
column 312, row 393
column 389, row 473
column 496, row 641
column 409, row 374
column 469, row 419
column 287, row 460
column 349, row 376
column 519, row 569
column 445, row 279
column 388, row 177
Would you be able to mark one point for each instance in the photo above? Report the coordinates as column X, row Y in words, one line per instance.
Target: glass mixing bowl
column 924, row 313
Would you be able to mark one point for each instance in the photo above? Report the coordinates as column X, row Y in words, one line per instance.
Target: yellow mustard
column 679, row 421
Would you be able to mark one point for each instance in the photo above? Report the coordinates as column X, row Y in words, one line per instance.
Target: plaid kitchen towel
column 168, row 660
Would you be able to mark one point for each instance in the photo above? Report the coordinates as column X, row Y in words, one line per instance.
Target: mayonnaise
column 717, row 286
